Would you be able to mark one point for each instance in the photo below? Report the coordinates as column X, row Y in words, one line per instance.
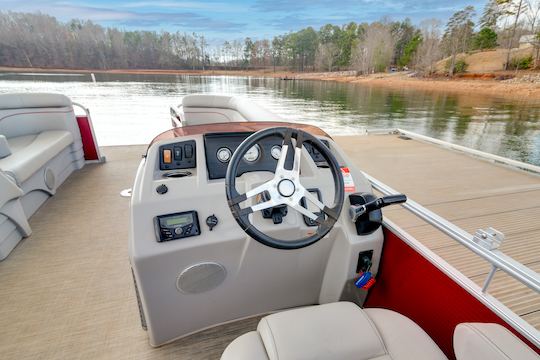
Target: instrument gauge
column 253, row 154
column 276, row 152
column 224, row 154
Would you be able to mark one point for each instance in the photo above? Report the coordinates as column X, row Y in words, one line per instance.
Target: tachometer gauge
column 276, row 151
column 224, row 154
column 253, row 154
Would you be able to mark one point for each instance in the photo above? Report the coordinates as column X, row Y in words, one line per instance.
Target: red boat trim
column 411, row 285
column 89, row 145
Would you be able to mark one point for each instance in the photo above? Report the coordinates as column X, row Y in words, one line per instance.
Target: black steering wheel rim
column 234, row 199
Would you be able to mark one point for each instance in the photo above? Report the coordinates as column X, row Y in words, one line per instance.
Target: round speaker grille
column 201, row 277
column 50, row 179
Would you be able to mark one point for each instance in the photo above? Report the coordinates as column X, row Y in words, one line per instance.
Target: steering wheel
column 284, row 188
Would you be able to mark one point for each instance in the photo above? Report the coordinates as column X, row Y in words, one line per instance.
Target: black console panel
column 180, row 155
column 231, row 141
column 177, row 226
column 265, row 162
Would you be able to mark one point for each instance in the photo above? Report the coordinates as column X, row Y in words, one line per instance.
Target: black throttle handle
column 355, row 211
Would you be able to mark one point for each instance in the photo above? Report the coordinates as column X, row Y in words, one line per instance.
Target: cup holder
column 177, row 174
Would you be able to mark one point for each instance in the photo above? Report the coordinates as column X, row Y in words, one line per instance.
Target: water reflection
column 132, row 108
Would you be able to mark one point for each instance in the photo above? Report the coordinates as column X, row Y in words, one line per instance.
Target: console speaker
column 201, row 277
column 50, row 179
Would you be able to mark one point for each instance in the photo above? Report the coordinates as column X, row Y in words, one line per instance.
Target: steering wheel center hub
column 286, row 188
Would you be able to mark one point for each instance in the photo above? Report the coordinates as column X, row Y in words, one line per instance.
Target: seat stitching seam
column 37, row 112
column 487, row 339
column 374, row 327
column 273, row 338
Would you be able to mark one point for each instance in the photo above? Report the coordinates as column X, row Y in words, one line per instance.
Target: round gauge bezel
column 224, row 148
column 272, row 151
column 256, row 146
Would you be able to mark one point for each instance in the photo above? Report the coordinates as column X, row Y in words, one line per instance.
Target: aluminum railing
column 481, row 154
column 496, row 258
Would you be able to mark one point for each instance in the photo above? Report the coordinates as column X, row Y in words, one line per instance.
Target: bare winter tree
column 512, row 8
column 375, row 50
column 532, row 14
column 458, row 34
column 429, row 51
column 326, row 56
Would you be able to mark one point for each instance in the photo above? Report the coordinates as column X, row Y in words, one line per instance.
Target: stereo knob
column 178, row 231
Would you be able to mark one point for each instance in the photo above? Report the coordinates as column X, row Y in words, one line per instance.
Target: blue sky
column 219, row 19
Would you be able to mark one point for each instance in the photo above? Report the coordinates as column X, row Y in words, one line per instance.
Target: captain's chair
column 334, row 331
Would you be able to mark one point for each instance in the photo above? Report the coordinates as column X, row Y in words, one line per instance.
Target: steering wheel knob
column 286, row 188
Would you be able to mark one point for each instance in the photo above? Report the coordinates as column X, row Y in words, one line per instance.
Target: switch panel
column 180, row 155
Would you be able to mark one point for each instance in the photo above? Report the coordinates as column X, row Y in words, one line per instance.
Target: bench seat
column 40, row 146
column 29, row 153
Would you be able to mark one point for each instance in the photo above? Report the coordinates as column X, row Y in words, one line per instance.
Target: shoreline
column 486, row 86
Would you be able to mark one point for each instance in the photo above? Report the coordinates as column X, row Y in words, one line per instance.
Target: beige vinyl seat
column 40, row 146
column 334, row 331
column 202, row 109
column 29, row 153
column 473, row 341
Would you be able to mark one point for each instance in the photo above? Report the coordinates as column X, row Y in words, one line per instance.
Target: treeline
column 38, row 40
column 382, row 45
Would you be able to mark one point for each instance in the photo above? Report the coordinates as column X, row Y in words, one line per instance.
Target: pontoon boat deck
column 68, row 290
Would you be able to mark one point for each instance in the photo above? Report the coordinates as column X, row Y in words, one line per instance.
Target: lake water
column 132, row 109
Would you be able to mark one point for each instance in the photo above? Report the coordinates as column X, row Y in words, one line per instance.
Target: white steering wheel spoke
column 303, row 211
column 259, row 189
column 314, row 200
column 264, row 205
column 296, row 163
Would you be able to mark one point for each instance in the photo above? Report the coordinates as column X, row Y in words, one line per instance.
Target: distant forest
column 39, row 40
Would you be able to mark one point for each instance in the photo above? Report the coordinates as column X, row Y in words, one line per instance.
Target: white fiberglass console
column 210, row 245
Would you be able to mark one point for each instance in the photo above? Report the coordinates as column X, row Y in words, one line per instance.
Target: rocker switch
column 188, row 150
column 177, row 153
column 167, row 156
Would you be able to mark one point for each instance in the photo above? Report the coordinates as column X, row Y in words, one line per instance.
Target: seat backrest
column 33, row 113
column 474, row 341
column 207, row 109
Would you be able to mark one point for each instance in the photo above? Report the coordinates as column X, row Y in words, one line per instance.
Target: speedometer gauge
column 276, row 152
column 253, row 153
column 223, row 154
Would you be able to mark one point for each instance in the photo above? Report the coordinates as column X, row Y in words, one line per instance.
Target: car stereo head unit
column 176, row 226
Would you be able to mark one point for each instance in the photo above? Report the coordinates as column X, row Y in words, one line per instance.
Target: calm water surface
column 132, row 109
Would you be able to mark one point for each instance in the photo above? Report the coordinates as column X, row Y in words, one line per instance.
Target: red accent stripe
column 89, row 146
column 411, row 285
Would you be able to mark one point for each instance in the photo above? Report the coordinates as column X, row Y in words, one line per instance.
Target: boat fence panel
column 495, row 257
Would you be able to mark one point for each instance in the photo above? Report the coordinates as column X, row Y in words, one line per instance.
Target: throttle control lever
column 355, row 211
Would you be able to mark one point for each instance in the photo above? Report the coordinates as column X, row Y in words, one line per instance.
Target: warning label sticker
column 348, row 180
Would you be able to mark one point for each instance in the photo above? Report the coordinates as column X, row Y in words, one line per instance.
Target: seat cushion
column 30, row 152
column 474, row 341
column 343, row 331
column 402, row 337
column 246, row 347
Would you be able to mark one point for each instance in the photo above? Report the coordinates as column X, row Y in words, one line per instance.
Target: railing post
column 489, row 278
